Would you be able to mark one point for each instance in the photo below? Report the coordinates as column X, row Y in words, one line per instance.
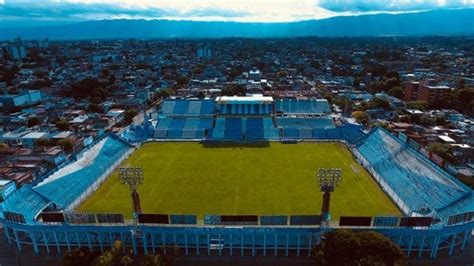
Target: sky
column 20, row 12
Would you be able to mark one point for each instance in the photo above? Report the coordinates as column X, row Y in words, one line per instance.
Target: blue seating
column 175, row 134
column 319, row 133
column 164, row 123
column 270, row 132
column 219, row 129
column 302, row 106
column 255, row 128
column 233, row 128
column 207, row 107
column 412, row 177
column 65, row 190
column 323, row 122
column 290, row 133
column 194, row 107
column 181, row 107
column 168, row 107
column 160, row 133
column 305, row 133
column 177, row 123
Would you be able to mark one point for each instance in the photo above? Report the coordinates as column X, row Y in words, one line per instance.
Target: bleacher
column 64, row 190
column 412, row 177
column 320, row 122
column 233, row 128
column 26, row 201
column 186, row 119
column 187, row 108
column 187, row 128
column 254, row 128
column 291, row 133
column 305, row 133
column 310, row 106
column 270, row 132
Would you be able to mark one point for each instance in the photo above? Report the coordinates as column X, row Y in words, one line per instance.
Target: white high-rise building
column 16, row 49
column 204, row 52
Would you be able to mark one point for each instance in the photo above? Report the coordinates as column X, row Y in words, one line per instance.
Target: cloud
column 206, row 10
column 391, row 5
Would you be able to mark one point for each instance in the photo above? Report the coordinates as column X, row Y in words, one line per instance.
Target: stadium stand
column 270, row 132
column 290, row 133
column 26, row 201
column 64, row 190
column 313, row 106
column 254, row 128
column 219, row 129
column 322, row 122
column 305, row 133
column 187, row 119
column 233, row 128
column 412, row 177
column 168, row 107
column 187, row 108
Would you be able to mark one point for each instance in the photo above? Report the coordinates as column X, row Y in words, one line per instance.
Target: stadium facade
column 437, row 208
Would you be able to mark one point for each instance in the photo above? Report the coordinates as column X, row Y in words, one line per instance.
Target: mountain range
column 439, row 22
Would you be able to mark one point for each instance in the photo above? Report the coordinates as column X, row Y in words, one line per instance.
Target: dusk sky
column 53, row 11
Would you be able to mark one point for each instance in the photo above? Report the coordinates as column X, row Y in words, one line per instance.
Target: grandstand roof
column 255, row 98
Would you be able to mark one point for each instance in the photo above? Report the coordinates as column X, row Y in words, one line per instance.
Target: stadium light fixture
column 328, row 179
column 133, row 177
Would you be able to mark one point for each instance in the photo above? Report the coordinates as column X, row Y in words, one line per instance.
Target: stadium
column 238, row 176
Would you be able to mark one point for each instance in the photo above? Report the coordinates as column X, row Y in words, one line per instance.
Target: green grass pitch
column 266, row 179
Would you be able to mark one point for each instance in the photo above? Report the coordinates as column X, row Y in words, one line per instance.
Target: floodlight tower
column 328, row 179
column 132, row 176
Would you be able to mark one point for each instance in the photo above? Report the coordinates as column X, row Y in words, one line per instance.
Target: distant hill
column 440, row 22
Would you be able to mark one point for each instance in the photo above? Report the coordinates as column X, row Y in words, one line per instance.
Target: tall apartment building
column 427, row 90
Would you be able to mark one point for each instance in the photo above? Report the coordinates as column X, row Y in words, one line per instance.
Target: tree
column 129, row 115
column 201, row 95
column 361, row 117
column 66, row 144
column 33, row 121
column 43, row 142
column 164, row 93
column 93, row 107
column 182, row 80
column 427, row 121
column 88, row 87
column 281, row 74
column 445, row 151
column 153, row 260
column 114, row 256
column 418, row 105
column 80, row 256
column 377, row 102
column 344, row 247
column 62, row 124
column 396, row 91
column 234, row 90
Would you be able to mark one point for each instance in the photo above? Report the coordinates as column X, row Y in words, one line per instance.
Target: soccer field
column 266, row 179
